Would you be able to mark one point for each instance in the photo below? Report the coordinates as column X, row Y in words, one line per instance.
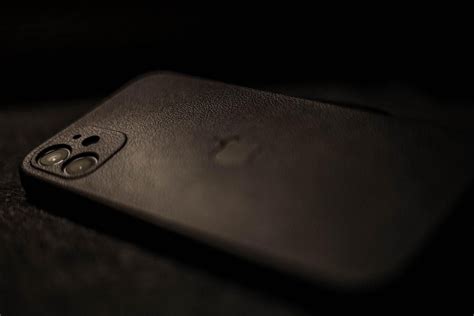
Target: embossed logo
column 234, row 151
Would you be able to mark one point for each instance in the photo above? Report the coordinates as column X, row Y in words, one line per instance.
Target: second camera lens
column 80, row 165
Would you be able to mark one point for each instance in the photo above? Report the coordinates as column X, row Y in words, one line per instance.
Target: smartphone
column 322, row 191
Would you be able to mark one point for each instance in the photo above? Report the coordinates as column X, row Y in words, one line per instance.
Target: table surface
column 50, row 265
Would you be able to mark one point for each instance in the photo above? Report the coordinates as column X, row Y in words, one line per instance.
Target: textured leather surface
column 50, row 265
column 332, row 193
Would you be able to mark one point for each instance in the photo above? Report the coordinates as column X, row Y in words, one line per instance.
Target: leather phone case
column 323, row 191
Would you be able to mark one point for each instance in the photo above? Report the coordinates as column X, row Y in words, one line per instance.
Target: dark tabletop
column 50, row 265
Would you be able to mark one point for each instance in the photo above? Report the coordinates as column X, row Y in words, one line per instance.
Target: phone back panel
column 335, row 194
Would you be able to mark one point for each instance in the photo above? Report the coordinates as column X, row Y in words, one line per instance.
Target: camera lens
column 54, row 157
column 80, row 165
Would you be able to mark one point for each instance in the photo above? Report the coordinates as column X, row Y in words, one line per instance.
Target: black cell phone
column 321, row 191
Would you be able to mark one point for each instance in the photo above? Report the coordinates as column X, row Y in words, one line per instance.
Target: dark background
column 55, row 65
column 90, row 50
